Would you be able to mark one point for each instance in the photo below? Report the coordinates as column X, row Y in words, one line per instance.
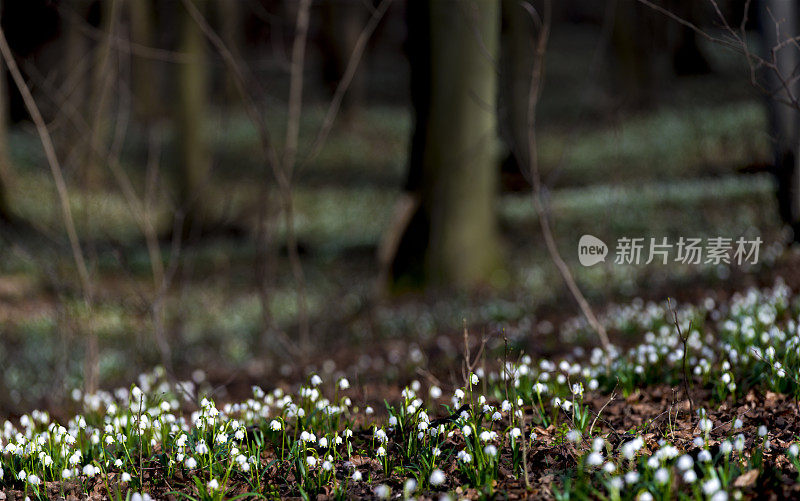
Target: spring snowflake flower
column 436, row 452
column 762, row 431
column 275, row 425
column 573, row 436
column 490, row 450
column 437, row 477
column 737, row 424
column 466, row 430
column 323, row 442
column 793, row 450
column 632, row 477
column 213, row 484
column 356, row 476
column 311, row 461
column 496, row 416
column 201, row 447
column 704, row 456
column 65, row 474
column 473, row 379
column 316, row 380
column 711, row 486
column 409, row 487
column 435, row 392
column 464, row 456
column 380, row 452
column 609, row 467
column 594, row 459
column 34, row 480
column 662, row 476
column 344, row 384
column 383, row 491
column 726, row 447
column 685, row 462
column 327, row 466
column 690, row 477
column 516, row 432
column 191, row 463
column 369, row 410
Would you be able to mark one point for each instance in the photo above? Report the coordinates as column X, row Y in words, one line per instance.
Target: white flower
column 380, row 452
column 344, row 384
column 632, row 477
column 383, row 491
column 409, row 487
column 496, row 416
column 437, row 477
column 369, row 410
column 594, row 459
column 662, row 476
column 685, row 462
column 327, row 466
column 466, row 430
column 704, row 456
column 201, row 447
column 573, row 436
column 690, row 477
column 793, row 451
column 311, row 461
column 323, row 442
column 356, row 476
column 191, row 463
column 645, row 496
column 435, row 392
column 726, row 447
column 516, row 432
column 473, row 379
column 275, row 425
column 762, row 431
column 711, row 486
column 316, row 380
column 609, row 467
column 65, row 473
column 490, row 450
column 126, row 477
column 213, row 484
column 33, row 479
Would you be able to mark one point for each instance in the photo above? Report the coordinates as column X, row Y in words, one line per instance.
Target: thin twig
column 538, row 191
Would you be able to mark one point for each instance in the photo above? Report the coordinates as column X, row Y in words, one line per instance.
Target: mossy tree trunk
column 190, row 117
column 453, row 240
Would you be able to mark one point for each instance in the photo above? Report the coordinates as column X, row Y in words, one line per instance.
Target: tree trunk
column 143, row 78
column 231, row 29
column 517, row 60
column 6, row 215
column 782, row 84
column 190, row 118
column 102, row 82
column 452, row 240
column 342, row 21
